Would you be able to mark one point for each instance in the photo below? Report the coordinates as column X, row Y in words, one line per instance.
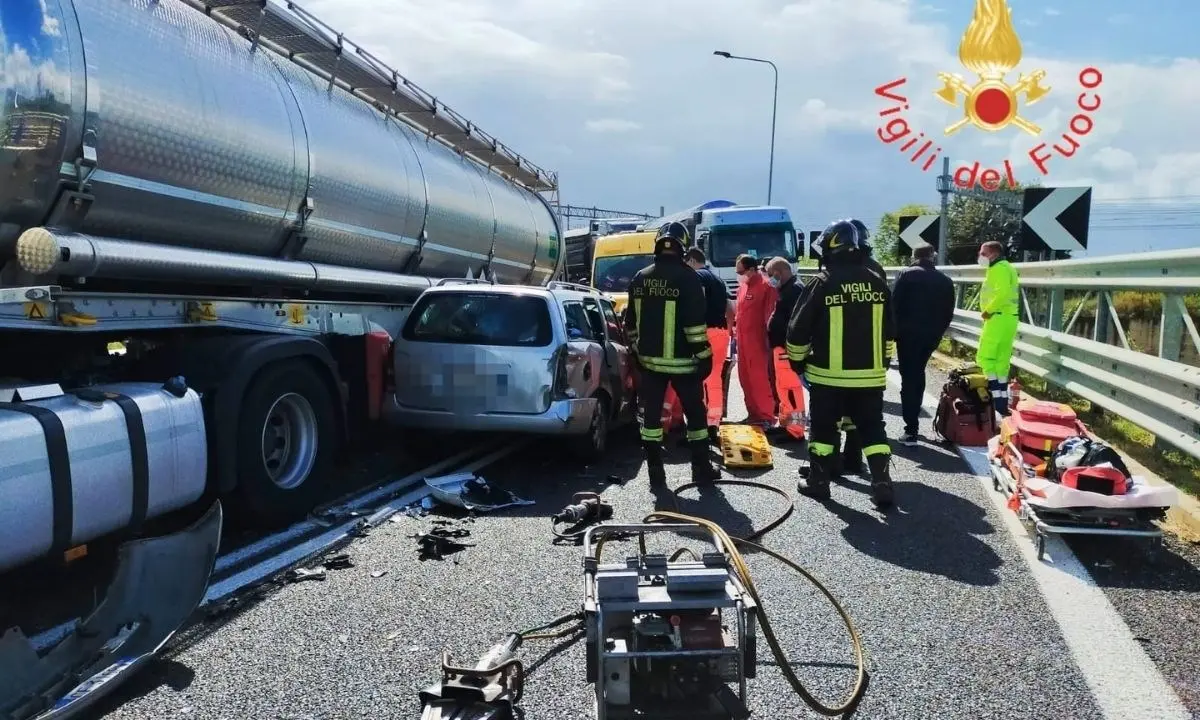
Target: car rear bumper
column 565, row 417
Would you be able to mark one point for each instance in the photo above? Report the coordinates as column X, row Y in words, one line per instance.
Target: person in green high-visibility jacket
column 1000, row 304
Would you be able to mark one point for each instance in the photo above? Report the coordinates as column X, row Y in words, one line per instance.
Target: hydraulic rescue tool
column 585, row 508
column 484, row 692
column 665, row 637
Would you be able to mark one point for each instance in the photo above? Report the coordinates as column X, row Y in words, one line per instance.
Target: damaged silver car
column 474, row 356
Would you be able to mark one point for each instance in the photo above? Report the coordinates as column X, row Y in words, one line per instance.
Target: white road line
column 1121, row 676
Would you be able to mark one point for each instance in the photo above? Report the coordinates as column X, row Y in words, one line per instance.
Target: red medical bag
column 1036, row 427
column 963, row 417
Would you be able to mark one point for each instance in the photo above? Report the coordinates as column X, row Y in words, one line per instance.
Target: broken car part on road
column 159, row 583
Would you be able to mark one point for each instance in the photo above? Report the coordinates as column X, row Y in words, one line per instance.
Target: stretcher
column 1054, row 509
column 745, row 446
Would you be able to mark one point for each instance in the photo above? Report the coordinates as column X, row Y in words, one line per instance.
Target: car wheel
column 287, row 442
column 593, row 445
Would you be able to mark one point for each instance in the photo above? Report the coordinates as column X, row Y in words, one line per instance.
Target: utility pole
column 943, row 187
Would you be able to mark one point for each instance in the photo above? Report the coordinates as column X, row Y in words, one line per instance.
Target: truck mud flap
column 158, row 584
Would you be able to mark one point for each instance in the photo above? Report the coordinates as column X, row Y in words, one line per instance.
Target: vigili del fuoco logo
column 991, row 50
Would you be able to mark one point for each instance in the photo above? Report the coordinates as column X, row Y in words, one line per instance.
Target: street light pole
column 774, row 109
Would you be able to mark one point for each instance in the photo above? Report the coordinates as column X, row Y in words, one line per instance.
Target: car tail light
column 562, row 387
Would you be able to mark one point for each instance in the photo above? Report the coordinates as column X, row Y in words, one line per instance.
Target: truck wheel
column 591, row 447
column 286, row 442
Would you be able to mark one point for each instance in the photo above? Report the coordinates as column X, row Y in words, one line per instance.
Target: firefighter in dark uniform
column 666, row 327
column 851, row 461
column 841, row 340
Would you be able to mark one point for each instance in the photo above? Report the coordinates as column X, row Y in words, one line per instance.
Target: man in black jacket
column 923, row 300
column 779, row 271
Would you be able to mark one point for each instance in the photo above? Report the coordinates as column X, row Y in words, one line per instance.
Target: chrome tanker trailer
column 214, row 217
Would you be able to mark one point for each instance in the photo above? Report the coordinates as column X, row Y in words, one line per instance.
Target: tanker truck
column 214, row 218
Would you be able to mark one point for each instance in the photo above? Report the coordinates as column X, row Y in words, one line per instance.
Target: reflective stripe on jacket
column 842, row 331
column 665, row 317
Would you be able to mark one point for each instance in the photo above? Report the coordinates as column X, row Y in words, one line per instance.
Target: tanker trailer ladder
column 297, row 35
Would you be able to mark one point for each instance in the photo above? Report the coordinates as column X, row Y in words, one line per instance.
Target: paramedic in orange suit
column 755, row 303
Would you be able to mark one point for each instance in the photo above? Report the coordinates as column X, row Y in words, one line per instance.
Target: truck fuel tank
column 80, row 465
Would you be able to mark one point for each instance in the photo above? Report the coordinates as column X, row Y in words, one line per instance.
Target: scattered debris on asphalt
column 440, row 542
column 379, row 573
column 302, row 574
column 341, row 561
column 470, row 492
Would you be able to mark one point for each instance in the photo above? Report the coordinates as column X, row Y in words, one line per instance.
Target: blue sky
column 1100, row 28
column 626, row 101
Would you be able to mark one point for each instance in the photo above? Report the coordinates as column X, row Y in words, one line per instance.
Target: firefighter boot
column 814, row 478
column 852, row 458
column 882, row 493
column 654, row 464
column 702, row 467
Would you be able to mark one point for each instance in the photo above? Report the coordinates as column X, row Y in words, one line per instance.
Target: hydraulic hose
column 743, row 573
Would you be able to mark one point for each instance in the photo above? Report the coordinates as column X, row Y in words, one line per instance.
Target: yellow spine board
column 744, row 446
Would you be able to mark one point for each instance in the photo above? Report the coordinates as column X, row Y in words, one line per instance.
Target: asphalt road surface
column 956, row 619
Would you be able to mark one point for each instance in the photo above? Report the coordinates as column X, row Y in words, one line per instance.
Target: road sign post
column 917, row 231
column 1056, row 219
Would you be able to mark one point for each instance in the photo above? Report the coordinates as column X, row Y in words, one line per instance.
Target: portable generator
column 667, row 638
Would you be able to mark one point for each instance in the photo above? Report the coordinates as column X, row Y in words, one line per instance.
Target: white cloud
column 539, row 74
column 611, row 125
column 50, row 23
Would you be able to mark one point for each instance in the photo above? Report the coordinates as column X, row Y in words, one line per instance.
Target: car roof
column 557, row 289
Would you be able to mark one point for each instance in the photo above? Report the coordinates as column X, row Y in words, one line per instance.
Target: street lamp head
column 722, row 53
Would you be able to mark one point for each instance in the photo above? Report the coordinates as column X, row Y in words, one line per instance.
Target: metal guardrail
column 1154, row 391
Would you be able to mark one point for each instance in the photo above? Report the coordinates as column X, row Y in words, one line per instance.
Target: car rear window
column 480, row 318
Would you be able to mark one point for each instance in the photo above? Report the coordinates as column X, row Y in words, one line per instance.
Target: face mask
column 983, row 261
column 774, row 282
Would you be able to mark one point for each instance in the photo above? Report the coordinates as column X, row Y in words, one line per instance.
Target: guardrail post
column 1170, row 329
column 1057, row 300
column 1100, row 327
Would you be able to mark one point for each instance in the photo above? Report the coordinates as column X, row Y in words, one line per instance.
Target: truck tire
column 286, row 442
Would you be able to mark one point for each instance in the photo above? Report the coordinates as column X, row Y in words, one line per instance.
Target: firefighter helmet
column 864, row 235
column 841, row 238
column 671, row 237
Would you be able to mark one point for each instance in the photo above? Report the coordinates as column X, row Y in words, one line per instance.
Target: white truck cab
column 724, row 231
